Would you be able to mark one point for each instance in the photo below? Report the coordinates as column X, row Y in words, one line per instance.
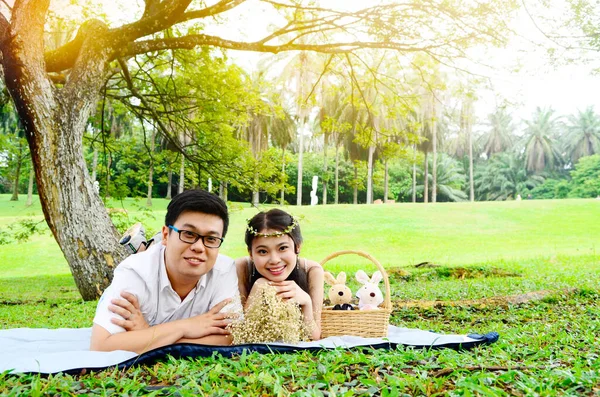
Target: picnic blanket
column 66, row 350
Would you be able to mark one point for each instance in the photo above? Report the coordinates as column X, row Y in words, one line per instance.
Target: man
column 181, row 284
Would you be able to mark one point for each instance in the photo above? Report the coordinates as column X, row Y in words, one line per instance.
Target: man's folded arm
column 208, row 325
column 149, row 338
column 136, row 341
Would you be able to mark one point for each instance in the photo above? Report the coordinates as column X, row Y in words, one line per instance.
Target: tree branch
column 215, row 9
column 91, row 63
column 64, row 57
column 155, row 115
column 151, row 7
column 405, row 27
column 164, row 16
column 192, row 41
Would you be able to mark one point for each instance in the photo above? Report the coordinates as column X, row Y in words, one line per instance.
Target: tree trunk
column 15, row 194
column 434, row 150
column 337, row 174
column 150, row 184
column 282, row 198
column 385, row 181
column 255, row 191
column 54, row 120
column 199, row 177
column 94, row 163
column 169, row 183
column 426, row 181
column 151, row 170
column 300, row 151
column 181, row 175
column 30, row 188
column 324, row 170
column 414, row 183
column 302, row 113
column 355, row 198
column 370, row 175
column 469, row 126
column 108, row 165
column 224, row 196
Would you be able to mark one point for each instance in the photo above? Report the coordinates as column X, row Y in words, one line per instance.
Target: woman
column 273, row 239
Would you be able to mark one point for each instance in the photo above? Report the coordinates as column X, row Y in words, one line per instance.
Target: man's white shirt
column 145, row 276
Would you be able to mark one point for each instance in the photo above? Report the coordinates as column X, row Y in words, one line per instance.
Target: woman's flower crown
column 287, row 230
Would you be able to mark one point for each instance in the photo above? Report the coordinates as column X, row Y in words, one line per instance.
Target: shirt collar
column 202, row 282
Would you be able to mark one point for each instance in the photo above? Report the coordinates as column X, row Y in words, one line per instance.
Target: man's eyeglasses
column 191, row 237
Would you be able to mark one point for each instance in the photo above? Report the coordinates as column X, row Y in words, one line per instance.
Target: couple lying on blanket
column 183, row 290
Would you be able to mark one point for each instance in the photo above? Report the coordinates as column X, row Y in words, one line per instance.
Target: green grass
column 548, row 347
column 397, row 235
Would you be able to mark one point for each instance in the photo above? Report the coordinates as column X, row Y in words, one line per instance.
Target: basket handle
column 387, row 300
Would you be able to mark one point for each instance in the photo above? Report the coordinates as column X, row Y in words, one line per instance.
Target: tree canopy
column 55, row 90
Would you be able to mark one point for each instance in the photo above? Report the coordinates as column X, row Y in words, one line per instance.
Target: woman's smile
column 274, row 257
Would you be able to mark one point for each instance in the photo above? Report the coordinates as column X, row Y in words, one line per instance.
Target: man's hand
column 290, row 290
column 209, row 323
column 129, row 309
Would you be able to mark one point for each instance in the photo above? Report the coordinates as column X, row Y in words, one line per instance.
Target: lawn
column 486, row 256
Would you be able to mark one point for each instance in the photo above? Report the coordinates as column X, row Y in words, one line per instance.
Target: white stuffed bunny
column 369, row 295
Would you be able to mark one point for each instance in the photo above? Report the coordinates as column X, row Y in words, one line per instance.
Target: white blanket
column 49, row 351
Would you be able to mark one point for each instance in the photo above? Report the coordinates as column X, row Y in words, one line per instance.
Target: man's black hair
column 197, row 200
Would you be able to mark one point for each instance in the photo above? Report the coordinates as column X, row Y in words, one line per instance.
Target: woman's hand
column 212, row 322
column 289, row 290
column 129, row 309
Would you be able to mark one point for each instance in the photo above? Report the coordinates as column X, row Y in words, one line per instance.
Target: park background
column 491, row 180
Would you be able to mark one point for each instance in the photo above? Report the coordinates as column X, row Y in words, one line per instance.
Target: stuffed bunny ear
column 329, row 278
column 362, row 277
column 377, row 277
column 341, row 278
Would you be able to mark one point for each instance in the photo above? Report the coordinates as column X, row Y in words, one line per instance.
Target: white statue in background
column 314, row 200
column 97, row 186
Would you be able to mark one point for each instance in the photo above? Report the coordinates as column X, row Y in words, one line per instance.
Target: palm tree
column 583, row 135
column 425, row 145
column 500, row 136
column 541, row 151
column 467, row 127
column 450, row 179
column 504, row 177
column 461, row 145
column 256, row 133
column 303, row 71
column 367, row 123
column 413, row 126
column 282, row 131
column 335, row 118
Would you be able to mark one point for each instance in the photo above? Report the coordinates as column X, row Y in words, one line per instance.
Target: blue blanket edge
column 190, row 350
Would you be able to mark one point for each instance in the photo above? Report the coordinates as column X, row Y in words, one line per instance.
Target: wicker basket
column 365, row 323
